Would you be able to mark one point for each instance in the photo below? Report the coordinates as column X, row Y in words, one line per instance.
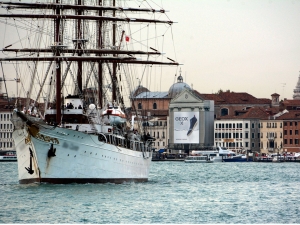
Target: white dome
column 178, row 87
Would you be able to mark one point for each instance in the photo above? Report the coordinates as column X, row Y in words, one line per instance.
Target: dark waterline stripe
column 81, row 180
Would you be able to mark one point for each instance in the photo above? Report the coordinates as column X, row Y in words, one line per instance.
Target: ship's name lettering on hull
column 46, row 138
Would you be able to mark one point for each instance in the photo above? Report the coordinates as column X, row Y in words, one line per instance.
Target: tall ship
column 77, row 63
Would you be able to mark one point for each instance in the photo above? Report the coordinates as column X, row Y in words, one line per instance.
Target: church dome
column 178, row 87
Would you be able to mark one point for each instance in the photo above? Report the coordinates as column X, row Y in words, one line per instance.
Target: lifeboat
column 113, row 115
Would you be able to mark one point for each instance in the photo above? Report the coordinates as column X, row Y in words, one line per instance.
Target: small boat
column 199, row 159
column 8, row 156
column 220, row 154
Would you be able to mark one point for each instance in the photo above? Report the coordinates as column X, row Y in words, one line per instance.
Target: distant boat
column 8, row 156
column 199, row 159
column 236, row 158
column 219, row 154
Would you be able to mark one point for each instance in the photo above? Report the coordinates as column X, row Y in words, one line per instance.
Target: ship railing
column 132, row 144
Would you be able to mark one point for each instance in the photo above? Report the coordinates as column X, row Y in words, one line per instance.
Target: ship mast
column 58, row 63
column 100, row 68
column 100, row 55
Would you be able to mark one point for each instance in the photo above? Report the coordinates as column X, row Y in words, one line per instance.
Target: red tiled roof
column 233, row 98
column 291, row 115
column 291, row 102
column 251, row 113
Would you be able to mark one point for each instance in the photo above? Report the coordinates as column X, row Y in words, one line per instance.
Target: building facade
column 191, row 120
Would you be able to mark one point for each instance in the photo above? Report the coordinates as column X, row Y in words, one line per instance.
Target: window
column 246, row 125
column 291, row 132
column 258, row 135
column 252, row 144
column 296, row 123
column 296, row 132
column 246, row 135
column 291, row 123
column 296, row 141
column 224, row 112
column 285, row 132
column 154, row 105
column 233, row 125
column 291, row 141
column 140, row 106
column 246, row 144
column 285, row 141
column 252, row 135
column 253, row 125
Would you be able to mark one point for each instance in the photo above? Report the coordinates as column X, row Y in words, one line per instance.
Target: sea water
column 176, row 193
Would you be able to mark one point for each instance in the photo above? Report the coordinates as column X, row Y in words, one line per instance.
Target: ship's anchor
column 29, row 169
column 51, row 152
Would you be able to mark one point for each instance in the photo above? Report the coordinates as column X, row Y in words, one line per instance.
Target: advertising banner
column 186, row 127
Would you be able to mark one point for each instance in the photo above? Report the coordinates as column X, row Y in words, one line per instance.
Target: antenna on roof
column 283, row 85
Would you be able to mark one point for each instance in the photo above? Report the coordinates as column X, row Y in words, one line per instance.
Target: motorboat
column 199, row 159
column 8, row 156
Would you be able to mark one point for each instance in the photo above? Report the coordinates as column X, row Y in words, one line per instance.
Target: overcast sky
column 242, row 45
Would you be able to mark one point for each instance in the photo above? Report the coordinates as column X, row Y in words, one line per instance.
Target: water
column 176, row 193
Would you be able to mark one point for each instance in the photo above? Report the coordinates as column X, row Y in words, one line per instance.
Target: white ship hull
column 79, row 157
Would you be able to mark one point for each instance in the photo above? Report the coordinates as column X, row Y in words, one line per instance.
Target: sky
column 248, row 46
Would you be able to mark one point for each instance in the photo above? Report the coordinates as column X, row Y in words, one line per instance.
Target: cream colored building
column 271, row 136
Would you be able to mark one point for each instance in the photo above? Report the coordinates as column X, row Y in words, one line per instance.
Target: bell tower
column 297, row 90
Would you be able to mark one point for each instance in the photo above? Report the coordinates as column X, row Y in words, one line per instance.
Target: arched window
column 154, row 105
column 224, row 112
column 140, row 106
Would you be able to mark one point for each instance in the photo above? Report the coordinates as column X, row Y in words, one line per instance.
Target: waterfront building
column 6, row 128
column 291, row 131
column 158, row 128
column 191, row 120
column 240, row 132
column 271, row 133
